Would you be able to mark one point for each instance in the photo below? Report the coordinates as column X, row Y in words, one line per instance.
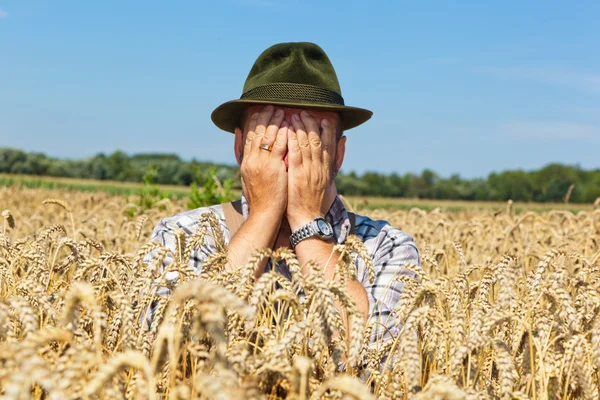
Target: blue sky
column 463, row 87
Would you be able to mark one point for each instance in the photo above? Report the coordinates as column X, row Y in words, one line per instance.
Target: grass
column 388, row 203
column 363, row 202
column 87, row 185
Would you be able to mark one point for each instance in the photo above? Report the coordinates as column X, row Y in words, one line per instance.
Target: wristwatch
column 317, row 227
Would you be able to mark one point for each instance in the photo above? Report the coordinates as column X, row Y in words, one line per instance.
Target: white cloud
column 580, row 80
column 3, row 13
column 549, row 130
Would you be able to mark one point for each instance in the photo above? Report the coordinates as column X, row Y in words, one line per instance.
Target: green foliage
column 213, row 192
column 149, row 194
column 548, row 184
column 82, row 187
column 117, row 166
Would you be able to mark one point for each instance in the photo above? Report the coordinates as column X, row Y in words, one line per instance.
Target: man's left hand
column 309, row 168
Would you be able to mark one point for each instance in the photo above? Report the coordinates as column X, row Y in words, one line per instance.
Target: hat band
column 294, row 92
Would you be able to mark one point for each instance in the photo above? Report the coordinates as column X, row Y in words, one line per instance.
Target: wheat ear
column 128, row 359
column 66, row 207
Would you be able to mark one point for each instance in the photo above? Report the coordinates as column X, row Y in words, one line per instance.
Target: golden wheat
column 504, row 306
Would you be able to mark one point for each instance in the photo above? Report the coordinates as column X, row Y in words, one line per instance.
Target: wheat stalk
column 505, row 306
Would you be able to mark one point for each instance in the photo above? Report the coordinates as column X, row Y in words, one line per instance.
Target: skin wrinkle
column 332, row 116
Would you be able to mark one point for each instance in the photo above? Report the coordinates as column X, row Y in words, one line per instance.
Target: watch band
column 302, row 233
column 318, row 227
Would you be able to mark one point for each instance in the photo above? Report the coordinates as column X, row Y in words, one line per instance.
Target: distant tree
column 513, row 185
column 351, row 185
column 117, row 165
column 98, row 167
column 553, row 181
column 397, row 185
column 549, row 183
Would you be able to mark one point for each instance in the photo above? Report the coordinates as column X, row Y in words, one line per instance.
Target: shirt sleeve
column 394, row 250
column 164, row 233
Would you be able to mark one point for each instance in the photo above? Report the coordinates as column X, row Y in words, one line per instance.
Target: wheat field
column 505, row 306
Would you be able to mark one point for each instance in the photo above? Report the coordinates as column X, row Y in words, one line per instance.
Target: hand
column 310, row 180
column 264, row 175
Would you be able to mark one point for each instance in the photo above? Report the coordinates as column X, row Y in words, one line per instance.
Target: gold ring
column 266, row 147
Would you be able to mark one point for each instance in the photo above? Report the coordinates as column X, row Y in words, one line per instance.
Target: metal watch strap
column 302, row 233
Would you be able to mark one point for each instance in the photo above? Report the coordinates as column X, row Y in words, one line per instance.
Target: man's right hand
column 264, row 174
column 264, row 180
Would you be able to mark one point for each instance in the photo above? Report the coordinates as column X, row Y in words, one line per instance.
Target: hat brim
column 228, row 115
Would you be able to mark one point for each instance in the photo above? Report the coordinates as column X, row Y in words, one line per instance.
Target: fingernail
column 305, row 114
column 268, row 108
column 296, row 117
column 279, row 112
column 255, row 116
column 284, row 124
column 325, row 123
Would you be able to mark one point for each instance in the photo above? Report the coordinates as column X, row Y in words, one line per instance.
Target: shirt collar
column 337, row 216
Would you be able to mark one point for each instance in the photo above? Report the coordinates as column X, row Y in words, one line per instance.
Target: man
column 289, row 144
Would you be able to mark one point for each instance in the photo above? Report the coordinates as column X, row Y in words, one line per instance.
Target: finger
column 314, row 135
column 326, row 139
column 250, row 135
column 273, row 127
column 281, row 141
column 261, row 125
column 294, row 152
column 302, row 137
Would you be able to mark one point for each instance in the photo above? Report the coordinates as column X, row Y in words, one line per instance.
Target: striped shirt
column 390, row 250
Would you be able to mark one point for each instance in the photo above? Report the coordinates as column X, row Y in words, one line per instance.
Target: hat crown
column 297, row 63
column 297, row 75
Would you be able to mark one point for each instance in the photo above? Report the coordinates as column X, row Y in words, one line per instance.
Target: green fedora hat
column 293, row 75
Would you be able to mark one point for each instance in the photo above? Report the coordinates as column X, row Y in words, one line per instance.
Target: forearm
column 320, row 252
column 257, row 232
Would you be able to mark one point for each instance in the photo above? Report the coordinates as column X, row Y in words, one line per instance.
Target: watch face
column 324, row 227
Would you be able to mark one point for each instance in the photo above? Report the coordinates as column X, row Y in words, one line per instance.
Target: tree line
column 552, row 183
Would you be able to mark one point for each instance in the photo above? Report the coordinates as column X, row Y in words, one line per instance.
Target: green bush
column 213, row 192
column 149, row 194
